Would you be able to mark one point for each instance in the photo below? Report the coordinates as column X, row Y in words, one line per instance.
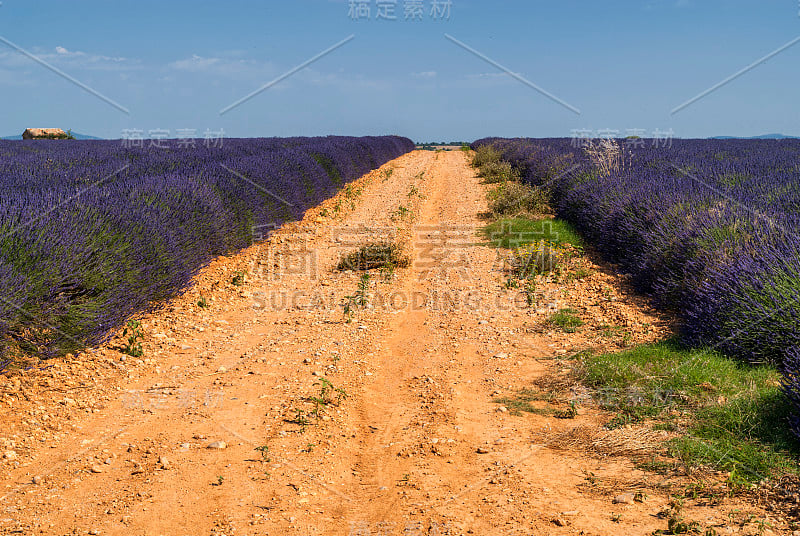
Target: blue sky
column 624, row 64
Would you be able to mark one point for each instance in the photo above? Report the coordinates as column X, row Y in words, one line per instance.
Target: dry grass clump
column 377, row 255
column 540, row 257
column 516, row 199
column 607, row 155
column 616, row 442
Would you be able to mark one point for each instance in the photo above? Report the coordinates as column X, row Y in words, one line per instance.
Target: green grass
column 329, row 166
column 732, row 415
column 577, row 275
column 516, row 232
column 566, row 319
column 498, row 172
column 485, row 155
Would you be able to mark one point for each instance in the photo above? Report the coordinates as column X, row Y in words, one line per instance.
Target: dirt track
column 417, row 447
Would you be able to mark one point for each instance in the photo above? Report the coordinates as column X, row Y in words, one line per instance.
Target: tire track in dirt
column 389, row 404
column 392, row 406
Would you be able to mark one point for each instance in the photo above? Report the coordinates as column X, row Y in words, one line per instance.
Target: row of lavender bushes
column 92, row 232
column 708, row 228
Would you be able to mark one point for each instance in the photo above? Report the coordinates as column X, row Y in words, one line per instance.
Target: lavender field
column 707, row 228
column 93, row 231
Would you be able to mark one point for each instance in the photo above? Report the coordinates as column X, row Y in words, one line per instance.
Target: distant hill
column 77, row 137
column 762, row 137
column 444, row 143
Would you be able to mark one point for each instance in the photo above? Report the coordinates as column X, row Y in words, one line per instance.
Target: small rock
column 222, row 370
column 559, row 522
column 483, row 322
column 218, row 445
column 502, row 409
column 501, row 355
column 94, row 532
column 10, row 455
column 625, row 498
column 164, row 462
column 316, row 373
column 186, row 446
column 482, row 450
column 307, row 360
column 37, row 480
column 97, row 469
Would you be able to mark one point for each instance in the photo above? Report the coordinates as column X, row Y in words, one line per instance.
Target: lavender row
column 92, row 232
column 708, row 228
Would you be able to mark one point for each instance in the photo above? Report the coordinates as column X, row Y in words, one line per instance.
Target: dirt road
column 107, row 444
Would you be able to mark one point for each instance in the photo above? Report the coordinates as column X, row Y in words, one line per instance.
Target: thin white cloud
column 424, row 74
column 340, row 80
column 497, row 77
column 89, row 59
column 232, row 66
column 222, row 66
column 66, row 59
column 490, row 75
